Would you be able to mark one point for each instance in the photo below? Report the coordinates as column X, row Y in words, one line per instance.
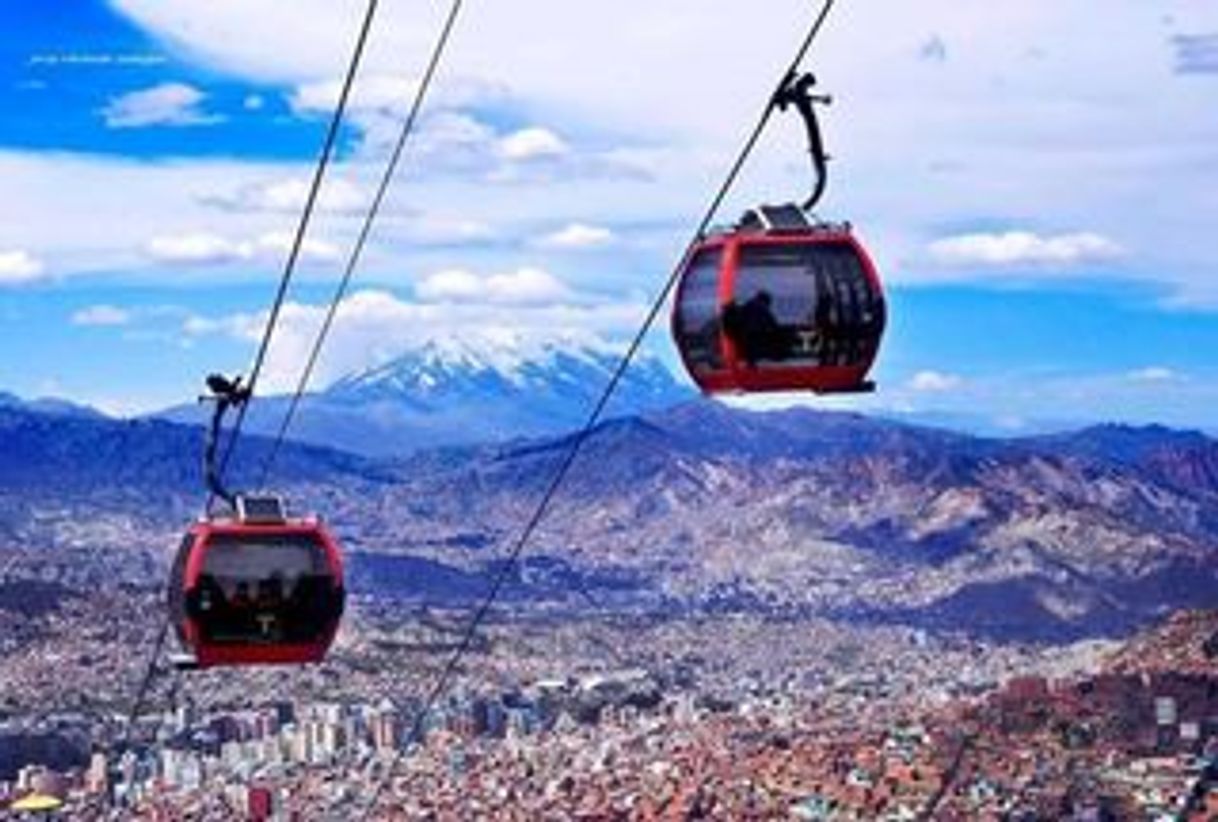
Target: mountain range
column 693, row 507
column 48, row 405
column 460, row 391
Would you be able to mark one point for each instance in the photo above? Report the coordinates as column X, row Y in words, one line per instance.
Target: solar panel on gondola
column 781, row 301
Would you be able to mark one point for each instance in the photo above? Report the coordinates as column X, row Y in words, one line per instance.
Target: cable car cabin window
column 177, row 573
column 698, row 312
column 265, row 589
column 803, row 305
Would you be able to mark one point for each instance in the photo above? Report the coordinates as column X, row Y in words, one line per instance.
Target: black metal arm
column 225, row 393
column 796, row 90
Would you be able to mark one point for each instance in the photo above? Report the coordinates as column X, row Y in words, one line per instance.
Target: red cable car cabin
column 258, row 588
column 779, row 303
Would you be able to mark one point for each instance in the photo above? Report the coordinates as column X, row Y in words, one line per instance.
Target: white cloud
column 1196, row 53
column 288, row 196
column 379, row 91
column 934, row 382
column 202, row 248
column 1153, row 374
column 101, row 315
column 532, row 143
column 20, row 266
column 197, row 326
column 453, row 143
column 453, row 139
column 577, row 235
column 392, row 93
column 1025, row 123
column 168, row 104
column 279, row 243
column 442, row 230
column 521, row 287
column 933, row 50
column 378, row 106
column 195, row 249
column 253, row 102
column 1015, row 248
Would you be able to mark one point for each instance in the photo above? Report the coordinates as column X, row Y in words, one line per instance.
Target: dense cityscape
column 917, row 626
column 845, row 724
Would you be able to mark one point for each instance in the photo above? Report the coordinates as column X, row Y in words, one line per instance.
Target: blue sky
column 1041, row 204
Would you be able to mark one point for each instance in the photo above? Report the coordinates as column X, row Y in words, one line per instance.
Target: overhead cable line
column 145, row 685
column 577, row 441
column 302, row 228
column 358, row 249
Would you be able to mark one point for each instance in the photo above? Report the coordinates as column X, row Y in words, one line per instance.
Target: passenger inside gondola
column 242, row 594
column 241, row 597
column 755, row 331
column 809, row 305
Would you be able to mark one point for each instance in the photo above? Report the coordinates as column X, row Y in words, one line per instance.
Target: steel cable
column 358, row 249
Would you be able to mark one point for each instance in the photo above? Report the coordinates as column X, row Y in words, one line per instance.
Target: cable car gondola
column 781, row 301
column 254, row 586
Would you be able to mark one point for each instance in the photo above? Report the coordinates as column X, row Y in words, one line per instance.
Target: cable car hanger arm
column 225, row 393
column 796, row 90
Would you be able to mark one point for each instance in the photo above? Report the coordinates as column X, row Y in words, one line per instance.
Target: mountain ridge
column 702, row 506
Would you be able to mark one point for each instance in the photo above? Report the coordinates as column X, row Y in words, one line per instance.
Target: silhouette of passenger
column 241, row 597
column 241, row 611
column 207, row 603
column 210, row 596
column 270, row 594
column 755, row 331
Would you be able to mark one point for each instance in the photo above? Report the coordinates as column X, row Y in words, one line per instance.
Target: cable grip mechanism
column 225, row 394
column 796, row 90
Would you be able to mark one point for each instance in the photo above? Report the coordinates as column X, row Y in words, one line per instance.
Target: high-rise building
column 171, row 760
column 494, row 718
column 97, row 777
column 1165, row 710
column 266, row 723
column 184, row 717
column 317, row 747
column 285, row 712
column 384, row 727
column 231, row 754
column 301, row 744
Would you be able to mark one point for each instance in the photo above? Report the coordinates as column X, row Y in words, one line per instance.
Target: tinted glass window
column 698, row 312
column 264, row 589
column 177, row 575
column 803, row 304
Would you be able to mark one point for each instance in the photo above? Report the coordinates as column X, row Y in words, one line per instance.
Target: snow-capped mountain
column 465, row 390
column 465, row 369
